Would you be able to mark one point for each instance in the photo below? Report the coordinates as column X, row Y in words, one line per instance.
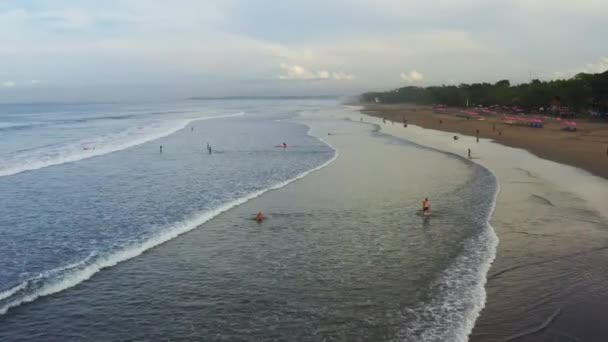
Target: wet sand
column 587, row 148
column 549, row 279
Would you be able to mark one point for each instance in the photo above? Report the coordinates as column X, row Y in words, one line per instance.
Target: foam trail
column 75, row 275
column 10, row 292
column 99, row 146
column 443, row 311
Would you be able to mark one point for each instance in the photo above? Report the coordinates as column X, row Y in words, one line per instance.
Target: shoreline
column 552, row 241
column 587, row 148
column 335, row 258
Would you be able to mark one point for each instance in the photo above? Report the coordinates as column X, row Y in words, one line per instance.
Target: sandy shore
column 587, row 148
column 549, row 280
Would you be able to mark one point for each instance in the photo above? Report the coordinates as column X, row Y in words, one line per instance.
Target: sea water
column 103, row 237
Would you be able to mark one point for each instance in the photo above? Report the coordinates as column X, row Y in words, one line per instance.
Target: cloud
column 590, row 68
column 153, row 42
column 412, row 77
column 297, row 72
column 8, row 84
column 597, row 67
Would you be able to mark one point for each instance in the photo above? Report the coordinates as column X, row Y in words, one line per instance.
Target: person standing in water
column 209, row 148
column 426, row 206
column 161, row 148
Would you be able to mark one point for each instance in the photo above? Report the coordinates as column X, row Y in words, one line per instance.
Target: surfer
column 209, row 148
column 259, row 217
column 284, row 145
column 426, row 206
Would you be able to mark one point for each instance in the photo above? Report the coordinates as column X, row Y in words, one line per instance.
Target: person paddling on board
column 259, row 217
column 426, row 206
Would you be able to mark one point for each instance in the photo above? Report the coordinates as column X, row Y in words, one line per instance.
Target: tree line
column 582, row 93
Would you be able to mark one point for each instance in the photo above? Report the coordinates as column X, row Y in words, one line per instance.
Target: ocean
column 105, row 237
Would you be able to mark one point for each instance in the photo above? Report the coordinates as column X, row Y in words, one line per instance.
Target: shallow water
column 548, row 282
column 343, row 254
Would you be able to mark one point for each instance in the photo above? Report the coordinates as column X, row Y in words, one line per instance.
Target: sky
column 119, row 49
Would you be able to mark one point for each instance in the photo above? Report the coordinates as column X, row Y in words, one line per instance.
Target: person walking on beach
column 477, row 134
column 469, row 153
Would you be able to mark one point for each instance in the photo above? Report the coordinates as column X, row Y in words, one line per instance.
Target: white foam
column 89, row 148
column 80, row 274
column 12, row 291
column 460, row 287
column 451, row 315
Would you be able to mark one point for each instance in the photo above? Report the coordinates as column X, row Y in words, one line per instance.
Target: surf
column 88, row 148
column 63, row 278
column 460, row 288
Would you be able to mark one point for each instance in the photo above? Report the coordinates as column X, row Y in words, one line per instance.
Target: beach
column 587, row 148
column 548, row 280
column 343, row 254
column 130, row 243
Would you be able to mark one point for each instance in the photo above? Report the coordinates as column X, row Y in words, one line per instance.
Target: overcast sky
column 70, row 50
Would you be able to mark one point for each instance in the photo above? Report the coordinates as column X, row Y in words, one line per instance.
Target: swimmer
column 259, row 217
